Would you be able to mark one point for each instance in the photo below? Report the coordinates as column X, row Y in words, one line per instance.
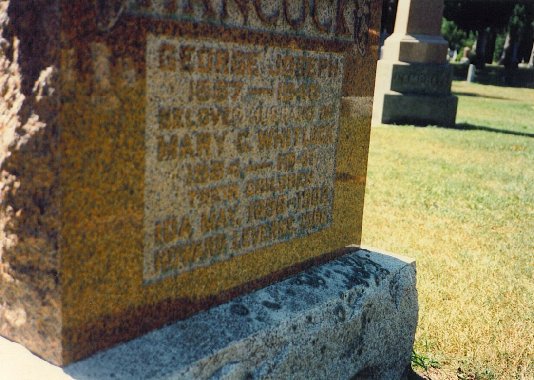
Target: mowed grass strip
column 461, row 202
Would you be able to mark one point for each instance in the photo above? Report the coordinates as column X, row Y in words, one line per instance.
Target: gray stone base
column 354, row 317
column 414, row 93
column 420, row 110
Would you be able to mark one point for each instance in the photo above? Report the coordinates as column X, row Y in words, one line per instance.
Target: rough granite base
column 352, row 318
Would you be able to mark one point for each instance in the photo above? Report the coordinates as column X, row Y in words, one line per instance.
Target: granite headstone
column 160, row 157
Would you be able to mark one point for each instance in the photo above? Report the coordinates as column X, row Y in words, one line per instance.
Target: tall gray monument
column 413, row 81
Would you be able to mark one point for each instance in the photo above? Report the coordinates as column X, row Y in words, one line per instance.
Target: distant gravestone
column 160, row 157
column 413, row 83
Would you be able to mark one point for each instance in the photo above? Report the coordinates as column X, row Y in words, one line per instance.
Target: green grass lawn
column 461, row 202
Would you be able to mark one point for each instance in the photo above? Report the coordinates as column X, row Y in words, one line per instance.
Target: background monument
column 413, row 83
column 162, row 157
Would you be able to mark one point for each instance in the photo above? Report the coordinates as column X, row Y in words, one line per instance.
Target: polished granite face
column 204, row 149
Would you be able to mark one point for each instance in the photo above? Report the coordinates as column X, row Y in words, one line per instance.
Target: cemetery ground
column 461, row 202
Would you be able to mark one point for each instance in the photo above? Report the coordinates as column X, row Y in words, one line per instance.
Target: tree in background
column 518, row 26
column 487, row 20
column 483, row 18
column 499, row 45
column 531, row 60
column 389, row 11
column 456, row 37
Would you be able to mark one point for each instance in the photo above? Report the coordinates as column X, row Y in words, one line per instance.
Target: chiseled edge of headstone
column 355, row 315
column 30, row 285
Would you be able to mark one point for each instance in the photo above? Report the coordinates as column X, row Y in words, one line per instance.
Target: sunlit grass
column 483, row 105
column 461, row 202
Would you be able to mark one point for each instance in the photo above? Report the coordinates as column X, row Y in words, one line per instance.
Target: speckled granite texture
column 30, row 292
column 159, row 157
column 352, row 318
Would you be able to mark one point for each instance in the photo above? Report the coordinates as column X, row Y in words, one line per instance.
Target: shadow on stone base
column 352, row 318
column 419, row 110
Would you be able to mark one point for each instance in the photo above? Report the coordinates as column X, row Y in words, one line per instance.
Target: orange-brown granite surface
column 160, row 157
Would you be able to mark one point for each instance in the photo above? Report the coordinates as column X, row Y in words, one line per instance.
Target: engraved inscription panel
column 240, row 149
column 421, row 79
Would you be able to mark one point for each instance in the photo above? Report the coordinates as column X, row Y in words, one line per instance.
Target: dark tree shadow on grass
column 410, row 374
column 471, row 94
column 471, row 127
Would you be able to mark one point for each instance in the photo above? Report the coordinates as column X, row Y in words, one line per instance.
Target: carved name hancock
column 341, row 20
column 240, row 144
